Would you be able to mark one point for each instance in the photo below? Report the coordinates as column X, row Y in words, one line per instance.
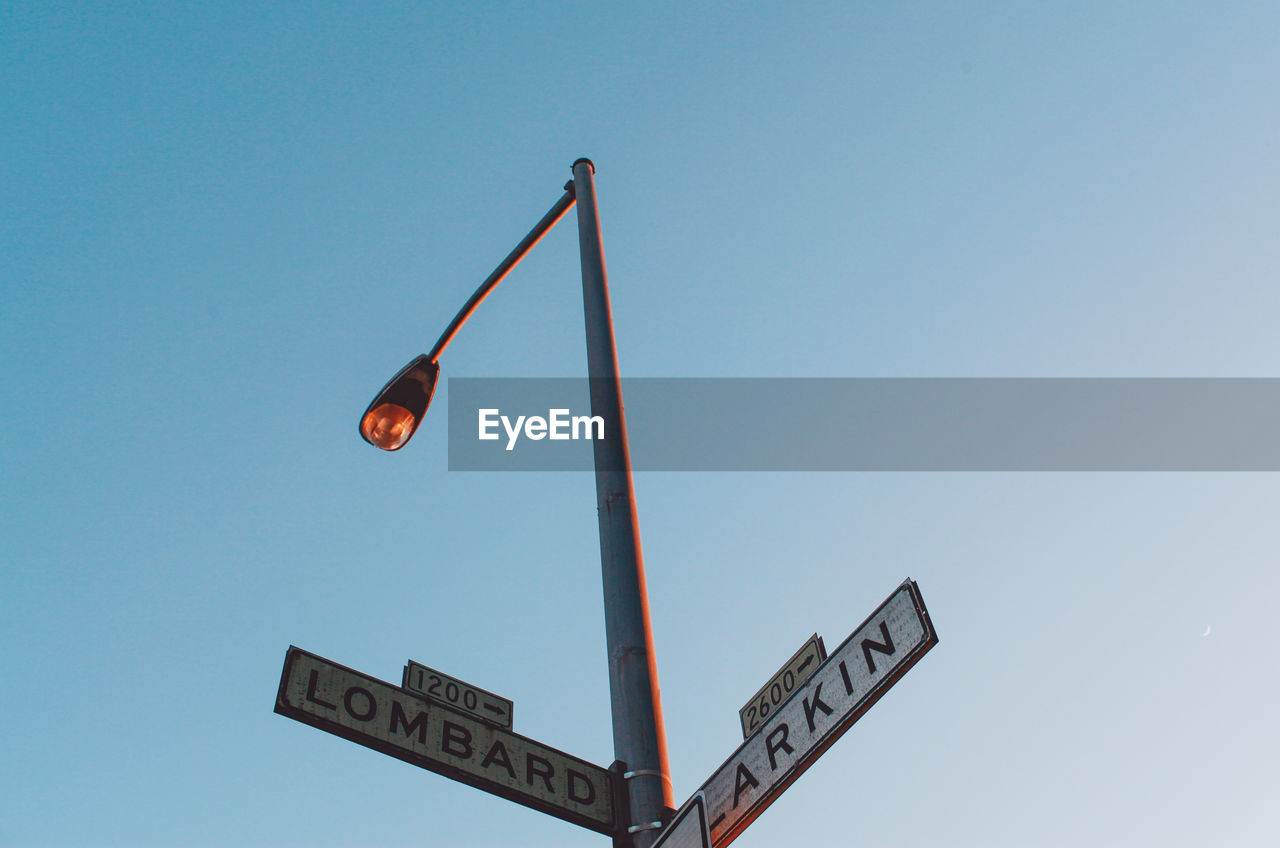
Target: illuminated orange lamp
column 395, row 413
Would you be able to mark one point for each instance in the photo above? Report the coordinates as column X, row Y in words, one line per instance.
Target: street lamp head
column 396, row 412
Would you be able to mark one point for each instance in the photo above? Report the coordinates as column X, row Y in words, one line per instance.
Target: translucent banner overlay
column 873, row 424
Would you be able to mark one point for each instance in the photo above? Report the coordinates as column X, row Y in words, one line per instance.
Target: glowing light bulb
column 388, row 426
column 395, row 413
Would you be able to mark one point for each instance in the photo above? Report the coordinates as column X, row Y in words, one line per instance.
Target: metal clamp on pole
column 667, row 812
column 636, row 828
column 643, row 773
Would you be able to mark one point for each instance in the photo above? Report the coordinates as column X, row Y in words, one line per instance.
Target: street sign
column 844, row 687
column 406, row 725
column 452, row 692
column 689, row 827
column 797, row 670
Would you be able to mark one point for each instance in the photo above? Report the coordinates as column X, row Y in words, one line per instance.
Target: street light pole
column 639, row 739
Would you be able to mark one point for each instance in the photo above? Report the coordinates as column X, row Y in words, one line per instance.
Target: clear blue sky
column 224, row 225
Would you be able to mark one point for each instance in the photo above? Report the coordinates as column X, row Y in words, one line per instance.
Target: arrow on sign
column 781, row 685
column 844, row 687
column 456, row 694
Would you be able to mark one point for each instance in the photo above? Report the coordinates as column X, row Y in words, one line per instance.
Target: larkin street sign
column 844, row 687
column 429, row 734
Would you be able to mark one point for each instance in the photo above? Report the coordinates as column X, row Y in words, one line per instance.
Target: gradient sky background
column 224, row 225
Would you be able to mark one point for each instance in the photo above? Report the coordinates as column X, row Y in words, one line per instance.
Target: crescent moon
column 1207, row 630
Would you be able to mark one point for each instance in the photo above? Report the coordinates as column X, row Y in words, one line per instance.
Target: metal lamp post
column 639, row 739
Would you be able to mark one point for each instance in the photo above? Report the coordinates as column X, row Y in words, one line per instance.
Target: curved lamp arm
column 549, row 220
column 395, row 413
